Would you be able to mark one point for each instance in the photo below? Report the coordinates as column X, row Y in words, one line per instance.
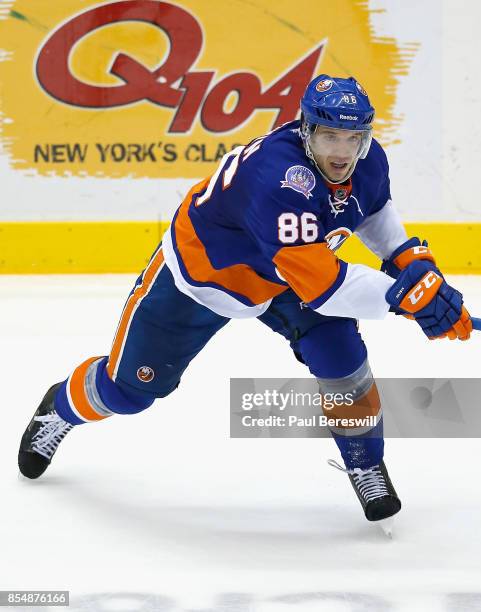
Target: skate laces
column 53, row 430
column 370, row 482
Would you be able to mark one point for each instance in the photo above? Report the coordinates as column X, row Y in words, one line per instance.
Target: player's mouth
column 339, row 166
column 338, row 169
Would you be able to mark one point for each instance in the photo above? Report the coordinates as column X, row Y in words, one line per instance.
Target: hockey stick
column 476, row 323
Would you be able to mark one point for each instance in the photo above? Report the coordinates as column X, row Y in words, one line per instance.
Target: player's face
column 335, row 151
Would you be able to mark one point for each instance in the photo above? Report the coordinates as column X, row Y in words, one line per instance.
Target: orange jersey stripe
column 124, row 324
column 239, row 278
column 78, row 395
column 309, row 269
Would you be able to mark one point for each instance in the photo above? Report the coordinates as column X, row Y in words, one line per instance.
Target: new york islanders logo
column 324, row 85
column 145, row 374
column 361, row 89
column 300, row 179
column 337, row 237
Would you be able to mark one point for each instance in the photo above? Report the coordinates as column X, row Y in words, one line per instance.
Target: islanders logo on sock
column 145, row 374
column 301, row 179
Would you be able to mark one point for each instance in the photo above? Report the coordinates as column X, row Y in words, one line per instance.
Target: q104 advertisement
column 144, row 88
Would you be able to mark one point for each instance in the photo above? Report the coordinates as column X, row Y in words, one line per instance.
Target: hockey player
column 258, row 239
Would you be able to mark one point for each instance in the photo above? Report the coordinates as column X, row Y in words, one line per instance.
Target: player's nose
column 343, row 151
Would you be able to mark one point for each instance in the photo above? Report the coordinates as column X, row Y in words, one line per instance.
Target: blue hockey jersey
column 267, row 220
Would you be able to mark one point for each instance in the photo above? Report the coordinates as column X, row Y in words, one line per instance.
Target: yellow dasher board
column 144, row 88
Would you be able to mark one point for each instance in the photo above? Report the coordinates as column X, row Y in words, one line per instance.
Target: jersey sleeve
column 289, row 233
column 381, row 172
column 382, row 231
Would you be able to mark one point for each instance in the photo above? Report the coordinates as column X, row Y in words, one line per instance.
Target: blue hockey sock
column 362, row 451
column 89, row 394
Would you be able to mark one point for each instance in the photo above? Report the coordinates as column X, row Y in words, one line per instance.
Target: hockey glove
column 423, row 293
column 411, row 250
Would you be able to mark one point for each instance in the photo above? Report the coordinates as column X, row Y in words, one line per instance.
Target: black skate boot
column 374, row 490
column 42, row 437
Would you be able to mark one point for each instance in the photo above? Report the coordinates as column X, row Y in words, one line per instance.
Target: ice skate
column 376, row 493
column 42, row 437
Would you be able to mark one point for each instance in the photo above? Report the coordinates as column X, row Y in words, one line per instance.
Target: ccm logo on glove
column 422, row 293
column 411, row 250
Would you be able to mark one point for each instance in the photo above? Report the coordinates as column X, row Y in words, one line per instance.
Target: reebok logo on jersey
column 349, row 117
column 301, row 179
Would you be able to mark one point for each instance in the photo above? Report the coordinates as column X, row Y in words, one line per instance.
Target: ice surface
column 162, row 511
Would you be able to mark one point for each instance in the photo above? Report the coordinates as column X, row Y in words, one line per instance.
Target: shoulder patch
column 300, row 179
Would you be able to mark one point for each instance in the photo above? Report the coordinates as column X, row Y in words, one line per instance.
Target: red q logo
column 195, row 91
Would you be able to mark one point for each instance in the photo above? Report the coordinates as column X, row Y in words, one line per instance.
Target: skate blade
column 387, row 526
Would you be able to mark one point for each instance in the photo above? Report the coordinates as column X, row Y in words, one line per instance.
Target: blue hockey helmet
column 337, row 103
column 340, row 104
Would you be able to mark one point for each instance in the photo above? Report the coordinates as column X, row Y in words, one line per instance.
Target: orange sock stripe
column 134, row 300
column 366, row 406
column 76, row 393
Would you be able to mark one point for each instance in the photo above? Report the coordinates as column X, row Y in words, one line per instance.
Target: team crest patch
column 324, row 85
column 145, row 374
column 301, row 179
